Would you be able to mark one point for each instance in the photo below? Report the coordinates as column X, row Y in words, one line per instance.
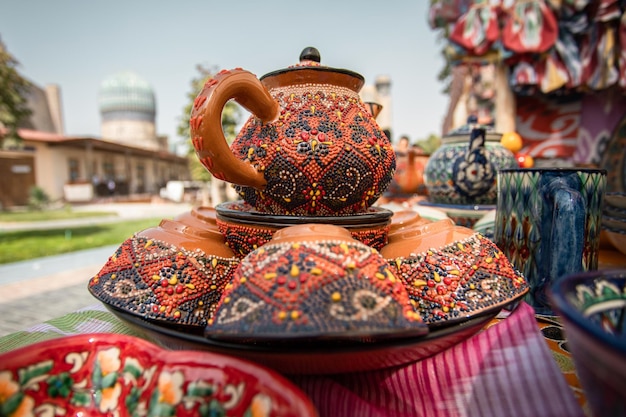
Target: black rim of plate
column 375, row 216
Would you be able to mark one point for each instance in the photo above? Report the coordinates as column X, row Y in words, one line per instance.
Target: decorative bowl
column 615, row 199
column 157, row 274
column 428, row 213
column 592, row 306
column 615, row 212
column 486, row 225
column 614, row 223
column 452, row 273
column 463, row 215
column 314, row 282
column 246, row 229
column 115, row 375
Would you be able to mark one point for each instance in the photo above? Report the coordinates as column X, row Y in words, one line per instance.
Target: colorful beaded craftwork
column 160, row 281
column 325, row 155
column 243, row 239
column 460, row 279
column 376, row 237
column 330, row 288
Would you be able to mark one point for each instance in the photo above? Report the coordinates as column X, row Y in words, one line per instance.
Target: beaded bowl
column 246, row 229
column 117, row 375
column 591, row 306
column 452, row 273
column 173, row 273
column 314, row 282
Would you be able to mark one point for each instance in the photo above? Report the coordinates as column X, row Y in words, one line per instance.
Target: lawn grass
column 61, row 214
column 23, row 245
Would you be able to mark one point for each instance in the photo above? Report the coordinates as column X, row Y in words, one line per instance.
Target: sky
column 77, row 44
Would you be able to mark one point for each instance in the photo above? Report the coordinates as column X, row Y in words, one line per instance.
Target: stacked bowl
column 614, row 219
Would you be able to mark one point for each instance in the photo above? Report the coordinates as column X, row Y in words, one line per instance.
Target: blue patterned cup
column 548, row 224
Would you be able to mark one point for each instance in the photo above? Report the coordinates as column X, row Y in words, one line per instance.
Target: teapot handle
column 205, row 123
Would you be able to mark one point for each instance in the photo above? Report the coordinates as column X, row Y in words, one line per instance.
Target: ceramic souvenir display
column 463, row 171
column 409, row 176
column 314, row 281
column 402, row 221
column 486, row 224
column 246, row 229
column 173, row 273
column 203, row 217
column 548, row 224
column 616, row 200
column 462, row 215
column 591, row 308
column 311, row 146
column 452, row 273
column 613, row 160
column 116, row 375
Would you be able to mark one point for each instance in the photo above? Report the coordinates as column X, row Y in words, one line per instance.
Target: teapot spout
column 373, row 108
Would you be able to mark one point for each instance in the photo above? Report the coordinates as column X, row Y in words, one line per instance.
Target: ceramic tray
column 116, row 375
column 322, row 357
column 242, row 212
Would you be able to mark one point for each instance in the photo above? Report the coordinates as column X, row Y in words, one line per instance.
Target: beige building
column 128, row 159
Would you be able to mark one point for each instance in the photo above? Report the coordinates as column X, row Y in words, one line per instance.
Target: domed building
column 129, row 161
column 128, row 109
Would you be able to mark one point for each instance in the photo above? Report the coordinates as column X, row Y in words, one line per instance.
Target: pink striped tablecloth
column 506, row 370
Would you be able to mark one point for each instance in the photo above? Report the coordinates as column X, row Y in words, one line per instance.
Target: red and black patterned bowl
column 246, row 229
column 314, row 282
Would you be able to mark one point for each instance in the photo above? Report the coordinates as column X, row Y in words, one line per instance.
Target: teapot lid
column 310, row 71
column 472, row 123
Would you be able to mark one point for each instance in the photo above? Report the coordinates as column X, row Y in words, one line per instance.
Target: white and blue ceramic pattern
column 592, row 307
column 463, row 171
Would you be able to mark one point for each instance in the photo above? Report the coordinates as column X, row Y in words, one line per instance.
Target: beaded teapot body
column 310, row 147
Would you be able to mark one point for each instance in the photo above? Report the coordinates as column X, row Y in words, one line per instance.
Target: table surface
column 97, row 319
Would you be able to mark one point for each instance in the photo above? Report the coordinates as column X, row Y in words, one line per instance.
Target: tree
column 13, row 90
column 231, row 115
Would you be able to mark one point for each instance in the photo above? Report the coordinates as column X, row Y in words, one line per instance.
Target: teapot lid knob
column 310, row 54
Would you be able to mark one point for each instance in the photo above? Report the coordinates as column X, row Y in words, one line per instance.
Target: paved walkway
column 40, row 289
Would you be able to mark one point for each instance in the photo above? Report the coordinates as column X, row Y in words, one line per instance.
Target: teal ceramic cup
column 548, row 224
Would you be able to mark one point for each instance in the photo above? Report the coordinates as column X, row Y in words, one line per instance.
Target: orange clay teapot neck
column 310, row 71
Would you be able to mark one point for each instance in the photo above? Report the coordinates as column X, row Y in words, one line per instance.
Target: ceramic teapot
column 310, row 147
column 464, row 172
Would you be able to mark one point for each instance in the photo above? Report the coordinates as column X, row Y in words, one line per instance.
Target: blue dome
column 126, row 93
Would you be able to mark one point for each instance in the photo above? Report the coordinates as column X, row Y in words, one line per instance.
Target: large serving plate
column 116, row 375
column 317, row 357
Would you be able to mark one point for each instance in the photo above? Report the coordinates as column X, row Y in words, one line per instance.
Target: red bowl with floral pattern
column 117, row 375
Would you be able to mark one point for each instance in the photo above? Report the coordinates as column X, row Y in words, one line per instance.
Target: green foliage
column 37, row 198
column 231, row 116
column 13, row 90
column 430, row 144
